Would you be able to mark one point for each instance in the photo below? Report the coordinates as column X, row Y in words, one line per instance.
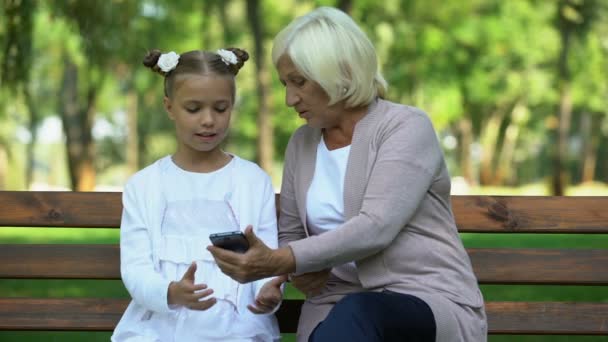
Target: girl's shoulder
column 248, row 170
column 148, row 173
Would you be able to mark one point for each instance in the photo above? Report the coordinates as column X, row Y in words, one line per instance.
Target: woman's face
column 200, row 107
column 307, row 97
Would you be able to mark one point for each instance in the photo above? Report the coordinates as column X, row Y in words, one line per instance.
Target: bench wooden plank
column 60, row 209
column 531, row 214
column 558, row 318
column 60, row 261
column 555, row 318
column 542, row 266
column 481, row 214
column 92, row 314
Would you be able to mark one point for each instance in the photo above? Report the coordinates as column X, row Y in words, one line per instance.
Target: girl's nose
column 206, row 118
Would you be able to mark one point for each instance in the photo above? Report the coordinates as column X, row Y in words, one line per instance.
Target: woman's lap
column 375, row 316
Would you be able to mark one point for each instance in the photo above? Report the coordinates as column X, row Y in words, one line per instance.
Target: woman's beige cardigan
column 399, row 227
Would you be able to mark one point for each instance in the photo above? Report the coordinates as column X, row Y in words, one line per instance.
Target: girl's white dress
column 192, row 206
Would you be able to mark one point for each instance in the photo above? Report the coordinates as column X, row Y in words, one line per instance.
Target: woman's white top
column 192, row 206
column 325, row 200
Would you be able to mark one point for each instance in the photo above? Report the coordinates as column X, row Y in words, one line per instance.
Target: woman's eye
column 299, row 81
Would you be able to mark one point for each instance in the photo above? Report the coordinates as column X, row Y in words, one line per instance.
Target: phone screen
column 233, row 241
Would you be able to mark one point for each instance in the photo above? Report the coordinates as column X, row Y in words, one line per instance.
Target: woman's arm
column 290, row 223
column 407, row 160
column 266, row 229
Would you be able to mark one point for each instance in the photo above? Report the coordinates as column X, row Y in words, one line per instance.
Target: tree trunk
column 265, row 143
column 132, row 132
column 345, row 5
column 506, row 172
column 565, row 107
column 488, row 141
column 229, row 33
column 3, row 166
column 205, row 20
column 591, row 130
column 466, row 139
column 33, row 124
column 77, row 125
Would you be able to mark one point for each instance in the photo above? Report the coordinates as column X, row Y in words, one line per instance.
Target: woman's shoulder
column 389, row 110
column 391, row 116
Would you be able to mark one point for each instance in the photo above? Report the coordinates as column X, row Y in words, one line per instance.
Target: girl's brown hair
column 196, row 62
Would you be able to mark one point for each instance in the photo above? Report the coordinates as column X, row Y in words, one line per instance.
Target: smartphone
column 233, row 241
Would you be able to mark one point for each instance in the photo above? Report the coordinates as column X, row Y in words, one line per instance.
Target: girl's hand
column 184, row 292
column 269, row 297
column 311, row 283
column 258, row 262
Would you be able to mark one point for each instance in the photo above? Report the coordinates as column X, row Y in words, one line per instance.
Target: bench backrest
column 474, row 214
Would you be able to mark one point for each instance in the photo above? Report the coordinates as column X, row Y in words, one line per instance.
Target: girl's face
column 200, row 107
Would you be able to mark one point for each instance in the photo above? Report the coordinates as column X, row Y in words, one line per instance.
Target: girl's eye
column 220, row 109
column 192, row 109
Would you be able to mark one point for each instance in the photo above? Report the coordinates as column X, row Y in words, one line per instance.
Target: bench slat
column 542, row 266
column 482, row 214
column 549, row 318
column 60, row 261
column 102, row 315
column 92, row 314
column 60, row 209
column 531, row 214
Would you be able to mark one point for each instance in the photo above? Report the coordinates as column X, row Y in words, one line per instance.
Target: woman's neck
column 203, row 162
column 341, row 134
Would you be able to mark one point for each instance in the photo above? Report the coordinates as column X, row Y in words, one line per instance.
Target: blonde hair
column 328, row 47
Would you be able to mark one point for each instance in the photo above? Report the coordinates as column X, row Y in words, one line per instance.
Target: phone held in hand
column 233, row 241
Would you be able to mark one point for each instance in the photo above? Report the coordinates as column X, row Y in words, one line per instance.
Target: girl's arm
column 146, row 286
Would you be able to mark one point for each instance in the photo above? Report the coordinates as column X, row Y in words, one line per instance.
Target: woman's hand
column 258, row 262
column 184, row 292
column 269, row 297
column 311, row 283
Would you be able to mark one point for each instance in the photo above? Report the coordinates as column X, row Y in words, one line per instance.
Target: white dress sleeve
column 147, row 287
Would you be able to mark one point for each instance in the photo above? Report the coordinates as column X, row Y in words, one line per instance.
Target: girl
column 172, row 206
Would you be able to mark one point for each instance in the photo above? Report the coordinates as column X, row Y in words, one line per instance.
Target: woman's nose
column 291, row 99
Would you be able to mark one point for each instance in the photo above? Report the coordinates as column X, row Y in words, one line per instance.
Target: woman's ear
column 168, row 106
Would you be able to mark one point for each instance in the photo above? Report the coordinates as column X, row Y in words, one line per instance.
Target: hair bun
column 241, row 55
column 151, row 60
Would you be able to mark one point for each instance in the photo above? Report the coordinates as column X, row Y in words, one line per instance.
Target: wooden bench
column 476, row 214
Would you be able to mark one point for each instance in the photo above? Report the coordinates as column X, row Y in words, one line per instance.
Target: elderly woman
column 366, row 227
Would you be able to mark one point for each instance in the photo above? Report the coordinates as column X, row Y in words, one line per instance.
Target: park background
column 517, row 91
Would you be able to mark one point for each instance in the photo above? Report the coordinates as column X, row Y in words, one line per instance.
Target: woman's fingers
column 310, row 283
